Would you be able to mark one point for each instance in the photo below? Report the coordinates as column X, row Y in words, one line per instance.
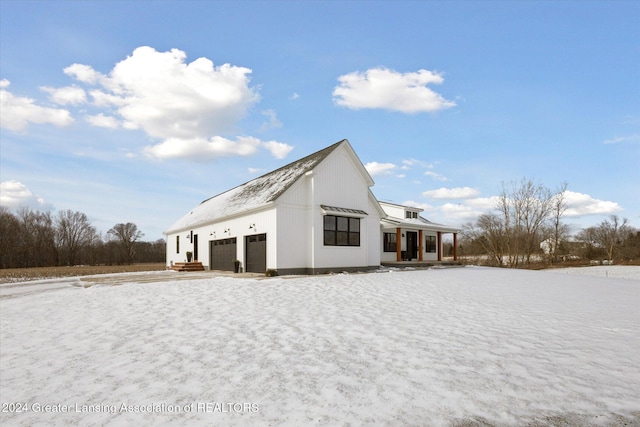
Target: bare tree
column 524, row 213
column 9, row 238
column 127, row 235
column 611, row 234
column 509, row 232
column 488, row 232
column 536, row 201
column 73, row 232
column 559, row 230
column 36, row 239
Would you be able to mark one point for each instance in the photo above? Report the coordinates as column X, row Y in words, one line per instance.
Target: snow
column 457, row 346
column 619, row 271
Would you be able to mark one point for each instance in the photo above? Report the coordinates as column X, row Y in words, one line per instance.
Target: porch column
column 398, row 245
column 439, row 245
column 455, row 246
column 419, row 245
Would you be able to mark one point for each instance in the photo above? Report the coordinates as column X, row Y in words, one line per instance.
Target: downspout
column 312, row 229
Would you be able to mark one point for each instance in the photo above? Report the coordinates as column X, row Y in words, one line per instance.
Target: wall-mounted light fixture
column 252, row 226
column 227, row 230
column 213, row 233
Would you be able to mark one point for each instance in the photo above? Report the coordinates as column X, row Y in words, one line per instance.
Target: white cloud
column 185, row 105
column 83, row 73
column 460, row 212
column 203, row 149
column 14, row 194
column 294, row 96
column 168, row 98
column 483, row 203
column 272, row 122
column 375, row 168
column 623, row 139
column 408, row 163
column 278, row 150
column 100, row 120
column 17, row 112
column 70, row 95
column 579, row 204
column 390, row 90
column 452, row 193
column 424, row 206
column 436, row 176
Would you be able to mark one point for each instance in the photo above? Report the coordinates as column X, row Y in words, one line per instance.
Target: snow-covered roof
column 251, row 195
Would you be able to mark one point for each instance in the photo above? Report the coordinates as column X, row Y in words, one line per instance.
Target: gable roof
column 253, row 194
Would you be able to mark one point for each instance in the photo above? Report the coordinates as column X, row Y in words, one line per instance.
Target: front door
column 412, row 245
column 195, row 247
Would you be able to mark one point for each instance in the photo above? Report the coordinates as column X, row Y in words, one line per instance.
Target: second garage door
column 256, row 253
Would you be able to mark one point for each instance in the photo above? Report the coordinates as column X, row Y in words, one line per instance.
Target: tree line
column 31, row 238
column 526, row 226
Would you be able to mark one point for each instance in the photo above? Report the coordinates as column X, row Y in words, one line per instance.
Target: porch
column 417, row 243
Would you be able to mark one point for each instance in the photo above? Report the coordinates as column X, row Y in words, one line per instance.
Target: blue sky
column 138, row 111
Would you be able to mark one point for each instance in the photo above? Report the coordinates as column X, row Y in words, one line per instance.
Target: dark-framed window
column 390, row 244
column 341, row 231
column 430, row 244
column 177, row 244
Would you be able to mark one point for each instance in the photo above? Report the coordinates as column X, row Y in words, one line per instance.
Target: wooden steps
column 187, row 266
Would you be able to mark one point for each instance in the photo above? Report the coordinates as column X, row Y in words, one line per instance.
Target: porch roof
column 419, row 223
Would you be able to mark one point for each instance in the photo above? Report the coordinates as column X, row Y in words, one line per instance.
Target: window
column 430, row 244
column 390, row 244
column 341, row 231
column 409, row 214
column 177, row 244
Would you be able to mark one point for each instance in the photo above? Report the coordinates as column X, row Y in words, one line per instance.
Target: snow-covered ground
column 460, row 346
column 619, row 271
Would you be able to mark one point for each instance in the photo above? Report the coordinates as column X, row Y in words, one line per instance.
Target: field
column 11, row 275
column 464, row 346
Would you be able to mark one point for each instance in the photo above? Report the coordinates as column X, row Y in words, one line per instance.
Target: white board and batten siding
column 300, row 219
column 339, row 181
column 238, row 227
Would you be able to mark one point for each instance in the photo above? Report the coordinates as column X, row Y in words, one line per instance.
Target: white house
column 311, row 216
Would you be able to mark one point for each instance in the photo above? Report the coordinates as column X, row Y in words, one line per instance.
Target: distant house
column 312, row 216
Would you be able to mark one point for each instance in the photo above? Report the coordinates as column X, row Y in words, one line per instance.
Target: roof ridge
column 321, row 154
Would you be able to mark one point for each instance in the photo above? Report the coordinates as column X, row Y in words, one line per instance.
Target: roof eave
column 220, row 219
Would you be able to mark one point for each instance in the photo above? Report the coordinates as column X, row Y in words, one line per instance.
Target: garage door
column 222, row 253
column 256, row 253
